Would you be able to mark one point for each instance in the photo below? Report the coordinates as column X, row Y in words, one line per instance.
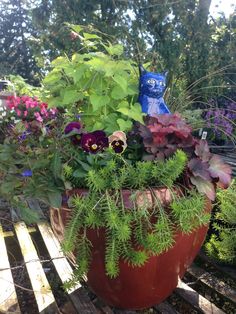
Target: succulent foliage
column 136, row 225
column 222, row 243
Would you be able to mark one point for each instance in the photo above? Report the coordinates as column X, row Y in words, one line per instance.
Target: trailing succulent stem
column 138, row 227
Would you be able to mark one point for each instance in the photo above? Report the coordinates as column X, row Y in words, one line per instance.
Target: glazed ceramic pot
column 136, row 287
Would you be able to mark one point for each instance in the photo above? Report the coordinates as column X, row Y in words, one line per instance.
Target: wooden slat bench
column 39, row 266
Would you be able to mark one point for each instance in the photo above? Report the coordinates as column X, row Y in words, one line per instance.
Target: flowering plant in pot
column 130, row 195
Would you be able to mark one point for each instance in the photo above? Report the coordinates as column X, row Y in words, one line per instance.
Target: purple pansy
column 118, row 146
column 27, row 173
column 74, row 127
column 94, row 142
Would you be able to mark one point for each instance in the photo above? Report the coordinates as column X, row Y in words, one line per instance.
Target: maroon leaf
column 199, row 168
column 204, row 187
column 218, row 169
column 202, row 150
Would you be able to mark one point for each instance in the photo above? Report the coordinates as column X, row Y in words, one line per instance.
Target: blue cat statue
column 151, row 90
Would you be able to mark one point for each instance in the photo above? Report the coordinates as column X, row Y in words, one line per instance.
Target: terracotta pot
column 136, row 287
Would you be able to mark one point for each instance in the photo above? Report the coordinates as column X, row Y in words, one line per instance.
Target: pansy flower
column 118, row 141
column 75, row 129
column 94, row 142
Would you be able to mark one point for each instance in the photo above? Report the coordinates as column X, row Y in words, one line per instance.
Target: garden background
column 195, row 40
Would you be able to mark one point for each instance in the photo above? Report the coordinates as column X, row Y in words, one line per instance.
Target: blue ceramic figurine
column 151, row 90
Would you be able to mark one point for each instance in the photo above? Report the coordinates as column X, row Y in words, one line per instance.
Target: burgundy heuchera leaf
column 218, row 169
column 199, row 168
column 204, row 186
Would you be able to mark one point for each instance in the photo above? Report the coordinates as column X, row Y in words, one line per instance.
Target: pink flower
column 44, row 110
column 38, row 117
column 25, row 113
column 53, row 111
column 25, row 98
column 18, row 112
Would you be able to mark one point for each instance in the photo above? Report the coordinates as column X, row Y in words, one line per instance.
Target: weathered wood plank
column 229, row 271
column 42, row 290
column 8, row 298
column 196, row 300
column 213, row 282
column 165, row 308
column 79, row 299
column 60, row 262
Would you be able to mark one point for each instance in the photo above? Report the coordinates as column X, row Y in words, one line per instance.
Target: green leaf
column 54, row 102
column 114, row 49
column 90, row 36
column 98, row 125
column 134, row 112
column 99, row 101
column 59, row 61
column 110, row 124
column 133, row 89
column 70, row 97
column 79, row 72
column 55, row 198
column 118, row 93
column 121, row 80
column 84, row 165
column 52, row 78
column 74, row 27
column 79, row 173
column 56, row 165
column 124, row 125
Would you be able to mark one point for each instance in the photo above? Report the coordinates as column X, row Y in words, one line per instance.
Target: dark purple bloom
column 94, row 142
column 74, row 127
column 27, row 173
column 118, row 146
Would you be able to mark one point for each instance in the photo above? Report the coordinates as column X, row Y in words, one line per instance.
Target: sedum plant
column 222, row 243
column 135, row 227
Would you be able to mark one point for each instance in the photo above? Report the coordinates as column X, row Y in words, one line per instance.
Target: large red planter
column 136, row 287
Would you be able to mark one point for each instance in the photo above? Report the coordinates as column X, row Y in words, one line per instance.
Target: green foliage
column 169, row 171
column 21, row 87
column 222, row 243
column 134, row 228
column 17, row 57
column 189, row 213
column 101, row 86
column 24, row 212
column 118, row 174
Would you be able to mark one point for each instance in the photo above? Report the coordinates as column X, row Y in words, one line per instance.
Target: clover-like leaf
column 219, row 169
column 204, row 186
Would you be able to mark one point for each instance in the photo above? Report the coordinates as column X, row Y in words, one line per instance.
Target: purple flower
column 74, row 127
column 27, row 173
column 23, row 136
column 118, row 146
column 94, row 142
